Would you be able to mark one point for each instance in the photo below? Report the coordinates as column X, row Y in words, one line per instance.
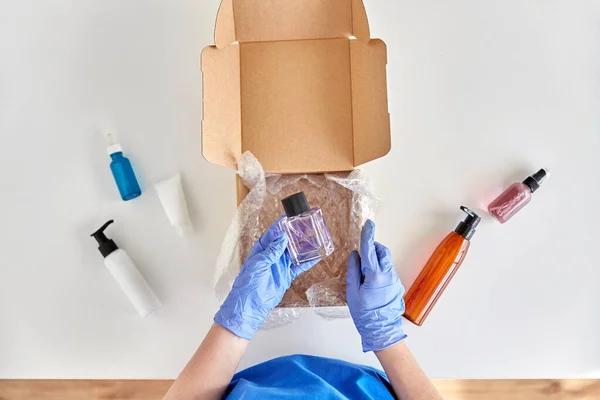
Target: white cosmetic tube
column 170, row 194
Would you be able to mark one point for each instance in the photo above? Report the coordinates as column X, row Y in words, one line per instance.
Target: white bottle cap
column 113, row 146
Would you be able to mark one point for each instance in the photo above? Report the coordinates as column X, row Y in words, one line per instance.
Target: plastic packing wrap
column 347, row 202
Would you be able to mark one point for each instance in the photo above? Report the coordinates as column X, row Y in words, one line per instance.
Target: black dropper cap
column 534, row 181
column 467, row 227
column 295, row 204
column 106, row 245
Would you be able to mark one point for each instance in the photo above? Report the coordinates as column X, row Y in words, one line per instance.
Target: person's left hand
column 265, row 276
column 374, row 293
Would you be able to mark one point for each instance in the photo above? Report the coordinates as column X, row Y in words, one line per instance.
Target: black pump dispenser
column 467, row 227
column 534, row 181
column 295, row 204
column 106, row 245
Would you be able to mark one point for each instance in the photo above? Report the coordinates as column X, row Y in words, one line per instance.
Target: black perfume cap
column 534, row 181
column 105, row 245
column 467, row 227
column 295, row 204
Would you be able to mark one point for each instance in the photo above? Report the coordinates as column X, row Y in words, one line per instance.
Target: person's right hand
column 374, row 293
column 265, row 276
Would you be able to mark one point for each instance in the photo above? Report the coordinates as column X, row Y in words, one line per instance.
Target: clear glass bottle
column 309, row 238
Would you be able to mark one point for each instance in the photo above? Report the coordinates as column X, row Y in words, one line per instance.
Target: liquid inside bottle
column 515, row 197
column 435, row 276
column 510, row 202
column 124, row 177
column 308, row 236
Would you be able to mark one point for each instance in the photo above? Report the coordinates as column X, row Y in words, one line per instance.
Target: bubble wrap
column 346, row 200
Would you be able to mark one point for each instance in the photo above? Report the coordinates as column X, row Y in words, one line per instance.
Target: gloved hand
column 263, row 279
column 374, row 293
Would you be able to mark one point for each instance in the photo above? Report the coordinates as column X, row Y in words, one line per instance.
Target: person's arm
column 374, row 294
column 263, row 279
column 208, row 373
column 406, row 376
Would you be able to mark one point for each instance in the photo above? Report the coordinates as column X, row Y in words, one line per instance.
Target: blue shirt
column 309, row 377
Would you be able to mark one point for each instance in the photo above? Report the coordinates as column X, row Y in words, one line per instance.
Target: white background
column 481, row 94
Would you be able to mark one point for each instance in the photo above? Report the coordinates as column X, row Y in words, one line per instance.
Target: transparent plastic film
column 346, row 200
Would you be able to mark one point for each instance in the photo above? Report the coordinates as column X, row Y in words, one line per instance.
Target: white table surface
column 480, row 93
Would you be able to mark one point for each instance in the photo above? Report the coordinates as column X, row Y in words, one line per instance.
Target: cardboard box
column 299, row 83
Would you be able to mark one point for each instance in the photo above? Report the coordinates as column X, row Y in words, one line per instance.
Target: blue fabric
column 309, row 377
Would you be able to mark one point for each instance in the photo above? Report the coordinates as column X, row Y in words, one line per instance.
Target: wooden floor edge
column 473, row 389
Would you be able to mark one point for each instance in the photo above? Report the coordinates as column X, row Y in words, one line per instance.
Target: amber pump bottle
column 439, row 270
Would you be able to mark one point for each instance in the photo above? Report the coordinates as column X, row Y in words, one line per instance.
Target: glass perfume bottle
column 515, row 197
column 309, row 238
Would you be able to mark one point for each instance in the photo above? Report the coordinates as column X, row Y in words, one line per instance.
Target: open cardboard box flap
column 299, row 83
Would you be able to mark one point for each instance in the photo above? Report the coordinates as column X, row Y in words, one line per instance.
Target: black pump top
column 467, row 227
column 534, row 181
column 106, row 245
column 295, row 204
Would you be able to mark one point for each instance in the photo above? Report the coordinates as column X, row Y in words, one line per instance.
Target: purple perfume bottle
column 308, row 236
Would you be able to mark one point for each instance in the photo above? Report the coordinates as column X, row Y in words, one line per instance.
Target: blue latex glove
column 374, row 293
column 263, row 279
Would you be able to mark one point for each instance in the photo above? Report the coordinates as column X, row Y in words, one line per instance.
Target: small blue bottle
column 122, row 171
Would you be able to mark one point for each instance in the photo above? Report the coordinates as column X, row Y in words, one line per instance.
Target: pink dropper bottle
column 516, row 197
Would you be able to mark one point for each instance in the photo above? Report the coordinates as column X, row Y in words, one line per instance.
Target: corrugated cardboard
column 299, row 83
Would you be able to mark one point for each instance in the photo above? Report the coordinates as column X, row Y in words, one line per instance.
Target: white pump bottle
column 126, row 274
